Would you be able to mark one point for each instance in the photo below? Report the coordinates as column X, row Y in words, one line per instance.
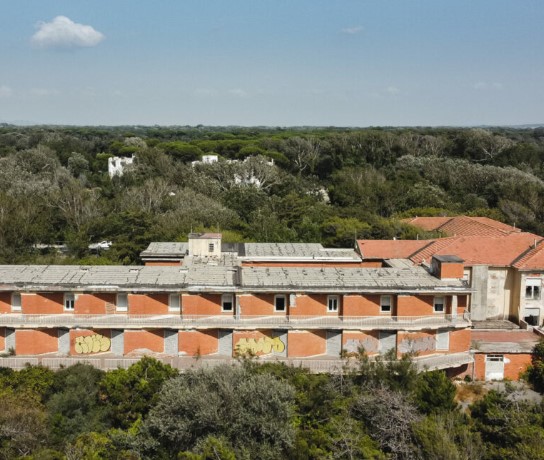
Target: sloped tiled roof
column 463, row 226
column 390, row 249
column 498, row 251
column 533, row 259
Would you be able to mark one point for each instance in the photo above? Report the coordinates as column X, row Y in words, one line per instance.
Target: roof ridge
column 526, row 255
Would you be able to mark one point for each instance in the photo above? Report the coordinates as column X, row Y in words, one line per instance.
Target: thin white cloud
column 62, row 32
column 238, row 92
column 5, row 91
column 205, row 92
column 43, row 92
column 484, row 85
column 393, row 90
column 352, row 30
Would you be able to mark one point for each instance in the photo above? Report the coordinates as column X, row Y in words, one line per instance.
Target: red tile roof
column 390, row 249
column 533, row 259
column 498, row 251
column 463, row 226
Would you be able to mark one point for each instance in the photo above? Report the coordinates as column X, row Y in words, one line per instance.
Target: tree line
column 329, row 185
column 380, row 409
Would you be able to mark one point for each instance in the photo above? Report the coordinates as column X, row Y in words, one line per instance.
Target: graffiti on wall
column 368, row 344
column 264, row 345
column 418, row 344
column 92, row 344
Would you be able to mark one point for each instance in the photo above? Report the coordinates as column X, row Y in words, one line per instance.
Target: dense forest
column 378, row 409
column 327, row 185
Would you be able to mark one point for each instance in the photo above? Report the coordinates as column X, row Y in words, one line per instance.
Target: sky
column 272, row 63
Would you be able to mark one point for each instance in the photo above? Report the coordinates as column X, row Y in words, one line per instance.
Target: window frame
column 224, row 301
column 390, row 310
column 176, row 308
column 211, row 247
column 278, row 297
column 333, row 300
column 118, row 296
column 69, row 301
column 12, row 304
column 531, row 284
column 443, row 303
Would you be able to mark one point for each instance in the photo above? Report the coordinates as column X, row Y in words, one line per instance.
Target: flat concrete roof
column 207, row 275
column 501, row 341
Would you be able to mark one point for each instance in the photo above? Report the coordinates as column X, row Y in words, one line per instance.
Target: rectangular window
column 385, row 304
column 332, row 303
column 210, row 247
column 174, row 303
column 532, row 288
column 122, row 302
column 15, row 301
column 439, row 304
column 69, row 302
column 279, row 303
column 227, row 302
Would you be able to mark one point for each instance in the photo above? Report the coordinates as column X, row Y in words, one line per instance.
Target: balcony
column 173, row 321
column 314, row 365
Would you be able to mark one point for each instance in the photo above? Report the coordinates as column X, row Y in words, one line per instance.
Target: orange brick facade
column 36, row 342
column 40, row 304
column 144, row 340
column 295, row 343
column 303, row 344
column 198, row 343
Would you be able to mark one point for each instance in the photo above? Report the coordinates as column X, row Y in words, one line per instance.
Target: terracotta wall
column 5, row 302
column 93, row 304
column 306, row 343
column 313, row 304
column 309, row 264
column 459, row 340
column 43, row 303
column 462, row 301
column 409, row 305
column 451, row 271
column 148, row 304
column 36, row 341
column 84, row 342
column 352, row 340
column 163, row 263
column 261, row 304
column 363, row 305
column 144, row 340
column 203, row 304
column 193, row 343
column 2, row 338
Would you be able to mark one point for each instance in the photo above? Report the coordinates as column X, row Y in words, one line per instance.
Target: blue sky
column 277, row 63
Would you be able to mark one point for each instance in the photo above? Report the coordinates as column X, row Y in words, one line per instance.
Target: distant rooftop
column 463, row 226
column 257, row 251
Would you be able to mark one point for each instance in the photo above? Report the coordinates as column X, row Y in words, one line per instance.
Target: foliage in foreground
column 382, row 410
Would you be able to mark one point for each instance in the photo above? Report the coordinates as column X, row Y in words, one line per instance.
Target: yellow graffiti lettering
column 264, row 345
column 91, row 344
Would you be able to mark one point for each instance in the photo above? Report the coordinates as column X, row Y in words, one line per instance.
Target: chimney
column 447, row 267
column 205, row 244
